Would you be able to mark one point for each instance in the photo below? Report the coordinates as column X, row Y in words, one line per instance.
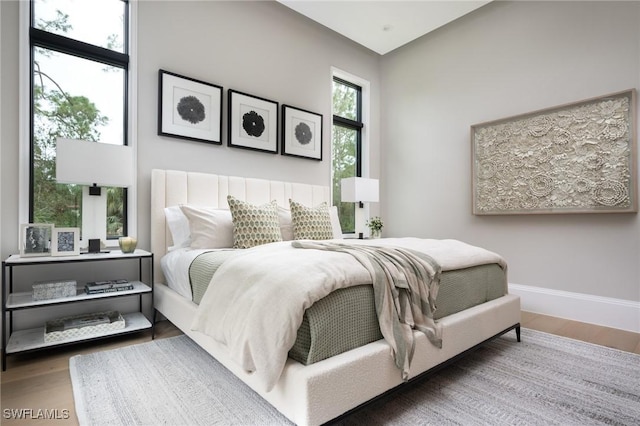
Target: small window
column 346, row 148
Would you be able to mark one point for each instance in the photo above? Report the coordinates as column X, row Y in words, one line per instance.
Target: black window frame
column 356, row 125
column 350, row 124
column 39, row 38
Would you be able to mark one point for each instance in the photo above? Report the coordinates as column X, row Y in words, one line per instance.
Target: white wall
column 9, row 128
column 505, row 59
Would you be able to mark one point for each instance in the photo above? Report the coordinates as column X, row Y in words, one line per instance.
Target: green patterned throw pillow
column 254, row 225
column 311, row 223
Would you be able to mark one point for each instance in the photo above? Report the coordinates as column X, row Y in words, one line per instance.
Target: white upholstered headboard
column 172, row 187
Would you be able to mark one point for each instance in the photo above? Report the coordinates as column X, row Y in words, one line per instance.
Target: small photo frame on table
column 65, row 242
column 189, row 108
column 301, row 133
column 253, row 122
column 35, row 239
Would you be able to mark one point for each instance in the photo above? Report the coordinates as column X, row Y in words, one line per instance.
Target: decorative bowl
column 127, row 244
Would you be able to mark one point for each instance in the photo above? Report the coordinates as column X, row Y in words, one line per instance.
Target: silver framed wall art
column 65, row 242
column 301, row 133
column 573, row 158
column 189, row 108
column 35, row 239
column 253, row 122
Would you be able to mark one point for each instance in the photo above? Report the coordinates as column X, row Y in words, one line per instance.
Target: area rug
column 542, row 380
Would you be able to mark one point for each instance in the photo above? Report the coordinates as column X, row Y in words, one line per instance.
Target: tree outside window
column 346, row 149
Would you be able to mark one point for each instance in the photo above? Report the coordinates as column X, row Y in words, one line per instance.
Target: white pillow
column 286, row 225
column 335, row 222
column 210, row 227
column 178, row 226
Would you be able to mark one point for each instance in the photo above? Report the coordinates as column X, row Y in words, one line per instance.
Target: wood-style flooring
column 40, row 380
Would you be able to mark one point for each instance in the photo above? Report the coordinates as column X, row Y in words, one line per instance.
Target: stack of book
column 107, row 286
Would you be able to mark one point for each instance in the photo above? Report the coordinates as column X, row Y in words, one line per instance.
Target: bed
column 313, row 389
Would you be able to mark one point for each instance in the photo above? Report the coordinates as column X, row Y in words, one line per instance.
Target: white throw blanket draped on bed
column 256, row 300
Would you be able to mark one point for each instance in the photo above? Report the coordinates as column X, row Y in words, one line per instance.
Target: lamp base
column 94, row 245
column 94, row 190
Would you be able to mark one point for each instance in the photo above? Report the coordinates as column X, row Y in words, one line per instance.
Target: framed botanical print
column 35, row 239
column 253, row 122
column 189, row 108
column 65, row 242
column 301, row 133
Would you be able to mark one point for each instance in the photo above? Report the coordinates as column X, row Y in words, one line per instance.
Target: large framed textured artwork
column 574, row 158
column 189, row 108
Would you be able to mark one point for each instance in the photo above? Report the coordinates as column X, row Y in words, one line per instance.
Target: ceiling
column 383, row 26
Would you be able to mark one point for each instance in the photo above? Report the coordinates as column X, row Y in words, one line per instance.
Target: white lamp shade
column 88, row 163
column 357, row 189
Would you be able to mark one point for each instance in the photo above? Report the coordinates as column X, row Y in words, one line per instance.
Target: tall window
column 79, row 68
column 346, row 148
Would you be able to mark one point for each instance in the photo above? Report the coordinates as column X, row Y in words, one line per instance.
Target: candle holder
column 127, row 244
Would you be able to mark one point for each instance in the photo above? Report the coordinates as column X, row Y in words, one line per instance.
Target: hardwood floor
column 599, row 335
column 40, row 380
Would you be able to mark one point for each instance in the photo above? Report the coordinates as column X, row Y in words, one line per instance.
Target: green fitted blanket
column 346, row 319
column 202, row 269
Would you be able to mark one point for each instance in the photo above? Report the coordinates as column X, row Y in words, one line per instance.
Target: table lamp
column 359, row 190
column 93, row 164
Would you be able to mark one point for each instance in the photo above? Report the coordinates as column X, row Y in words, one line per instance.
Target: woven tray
column 54, row 330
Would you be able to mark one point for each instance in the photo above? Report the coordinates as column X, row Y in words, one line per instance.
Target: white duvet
column 175, row 266
column 255, row 302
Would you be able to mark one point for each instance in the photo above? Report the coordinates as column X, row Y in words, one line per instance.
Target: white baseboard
column 605, row 311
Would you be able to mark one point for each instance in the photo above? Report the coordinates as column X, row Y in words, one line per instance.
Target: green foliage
column 58, row 25
column 345, row 100
column 115, row 210
column 344, row 165
column 375, row 224
column 113, row 42
column 343, row 153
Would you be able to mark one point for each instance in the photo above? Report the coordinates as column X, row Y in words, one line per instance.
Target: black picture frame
column 253, row 122
column 301, row 133
column 189, row 109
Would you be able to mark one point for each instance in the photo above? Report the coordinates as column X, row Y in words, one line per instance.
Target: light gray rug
column 543, row 380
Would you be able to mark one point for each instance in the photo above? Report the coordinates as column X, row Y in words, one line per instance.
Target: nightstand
column 18, row 341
